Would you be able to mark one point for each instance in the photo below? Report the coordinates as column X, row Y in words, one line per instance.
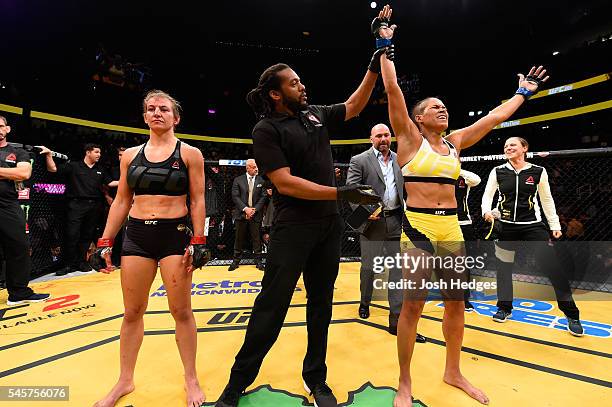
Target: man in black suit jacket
column 249, row 196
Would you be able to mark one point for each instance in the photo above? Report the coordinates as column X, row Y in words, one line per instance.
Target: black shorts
column 155, row 238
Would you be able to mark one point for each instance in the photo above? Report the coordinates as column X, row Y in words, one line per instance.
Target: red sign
column 23, row 193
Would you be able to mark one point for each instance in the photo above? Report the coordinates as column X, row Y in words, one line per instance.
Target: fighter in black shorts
column 153, row 185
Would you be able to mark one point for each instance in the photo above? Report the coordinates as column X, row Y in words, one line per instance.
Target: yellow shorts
column 436, row 231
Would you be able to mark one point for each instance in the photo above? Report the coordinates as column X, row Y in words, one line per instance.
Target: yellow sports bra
column 429, row 166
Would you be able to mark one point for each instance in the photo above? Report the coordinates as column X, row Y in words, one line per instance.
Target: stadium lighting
column 373, row 4
column 555, row 52
column 471, row 114
column 479, row 112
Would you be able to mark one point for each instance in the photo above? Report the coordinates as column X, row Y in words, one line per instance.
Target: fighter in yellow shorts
column 431, row 168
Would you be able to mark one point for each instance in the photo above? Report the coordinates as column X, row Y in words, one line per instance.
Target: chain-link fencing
column 579, row 179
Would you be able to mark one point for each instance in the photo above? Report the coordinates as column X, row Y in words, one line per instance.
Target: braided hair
column 258, row 98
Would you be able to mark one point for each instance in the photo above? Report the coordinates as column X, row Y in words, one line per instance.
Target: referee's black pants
column 311, row 248
column 81, row 222
column 537, row 233
column 16, row 250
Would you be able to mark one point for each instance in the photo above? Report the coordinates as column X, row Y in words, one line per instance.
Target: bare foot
column 403, row 397
column 458, row 380
column 195, row 395
column 121, row 389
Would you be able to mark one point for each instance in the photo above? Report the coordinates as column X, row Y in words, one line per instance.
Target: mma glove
column 104, row 248
column 375, row 62
column 199, row 252
column 526, row 93
column 376, row 25
column 358, row 194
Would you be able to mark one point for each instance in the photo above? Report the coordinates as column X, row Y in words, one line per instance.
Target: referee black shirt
column 83, row 182
column 9, row 158
column 300, row 142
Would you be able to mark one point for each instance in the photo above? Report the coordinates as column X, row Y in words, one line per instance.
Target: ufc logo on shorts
column 440, row 213
column 150, row 222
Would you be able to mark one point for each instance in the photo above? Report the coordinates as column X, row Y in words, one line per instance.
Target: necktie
column 250, row 192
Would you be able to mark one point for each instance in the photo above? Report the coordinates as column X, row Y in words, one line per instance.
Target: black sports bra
column 169, row 177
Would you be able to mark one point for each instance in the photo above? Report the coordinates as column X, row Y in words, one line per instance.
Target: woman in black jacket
column 519, row 212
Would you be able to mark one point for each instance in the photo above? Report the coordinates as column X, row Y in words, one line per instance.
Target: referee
column 291, row 145
column 84, row 181
column 15, row 168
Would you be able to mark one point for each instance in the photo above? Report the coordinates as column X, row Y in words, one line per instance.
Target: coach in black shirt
column 84, row 181
column 15, row 167
column 291, row 145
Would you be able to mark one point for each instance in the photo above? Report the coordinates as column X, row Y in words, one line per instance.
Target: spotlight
column 212, row 111
column 479, row 112
column 471, row 114
column 373, row 4
column 555, row 52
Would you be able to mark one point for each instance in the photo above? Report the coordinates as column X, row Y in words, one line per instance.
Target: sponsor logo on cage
column 233, row 163
column 500, row 157
column 223, row 287
column 560, row 89
column 52, row 189
column 533, row 312
column 511, row 123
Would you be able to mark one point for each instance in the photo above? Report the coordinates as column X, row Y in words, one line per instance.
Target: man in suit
column 249, row 196
column 380, row 234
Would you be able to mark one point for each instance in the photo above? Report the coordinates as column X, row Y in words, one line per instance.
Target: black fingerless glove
column 201, row 253
column 526, row 93
column 358, row 194
column 375, row 62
